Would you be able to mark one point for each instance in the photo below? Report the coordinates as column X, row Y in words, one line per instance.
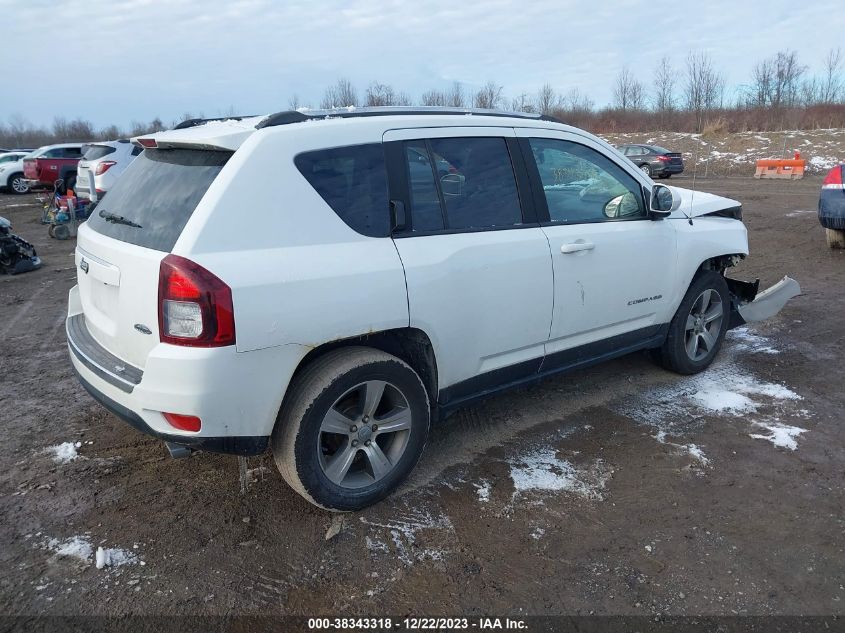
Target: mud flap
column 768, row 303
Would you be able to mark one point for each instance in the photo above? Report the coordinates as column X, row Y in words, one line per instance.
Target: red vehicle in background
column 46, row 165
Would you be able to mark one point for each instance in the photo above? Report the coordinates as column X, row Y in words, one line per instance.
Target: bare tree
column 293, row 102
column 434, row 97
column 522, row 104
column 663, row 95
column 75, row 130
column 379, row 94
column 628, row 92
column 705, row 86
column 831, row 82
column 341, row 95
column 455, row 97
column 576, row 102
column 489, row 96
column 776, row 82
column 547, row 100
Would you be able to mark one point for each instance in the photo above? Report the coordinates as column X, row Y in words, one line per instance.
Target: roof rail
column 195, row 122
column 297, row 116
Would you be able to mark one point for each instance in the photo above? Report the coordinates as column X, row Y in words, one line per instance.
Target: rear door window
column 353, row 182
column 471, row 179
column 154, row 198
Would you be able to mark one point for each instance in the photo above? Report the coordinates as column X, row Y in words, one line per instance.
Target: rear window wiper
column 118, row 219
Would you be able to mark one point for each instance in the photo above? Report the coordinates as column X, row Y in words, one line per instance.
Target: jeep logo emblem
column 84, row 266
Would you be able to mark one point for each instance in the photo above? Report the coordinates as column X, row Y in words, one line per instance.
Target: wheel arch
column 411, row 345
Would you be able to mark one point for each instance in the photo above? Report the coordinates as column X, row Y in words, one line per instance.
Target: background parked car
column 11, row 172
column 832, row 206
column 106, row 160
column 655, row 161
column 49, row 163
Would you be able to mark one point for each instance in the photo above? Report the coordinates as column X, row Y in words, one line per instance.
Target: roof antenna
column 694, row 173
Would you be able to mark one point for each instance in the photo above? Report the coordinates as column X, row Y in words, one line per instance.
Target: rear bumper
column 237, row 395
column 672, row 169
column 235, row 445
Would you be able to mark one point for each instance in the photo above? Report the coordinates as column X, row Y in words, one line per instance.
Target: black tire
column 674, row 354
column 298, row 440
column 61, row 231
column 667, row 176
column 17, row 184
column 646, row 169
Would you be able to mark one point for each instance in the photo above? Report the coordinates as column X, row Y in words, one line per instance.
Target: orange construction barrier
column 791, row 168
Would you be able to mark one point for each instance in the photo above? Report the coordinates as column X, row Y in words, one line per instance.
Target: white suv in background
column 105, row 160
column 302, row 282
column 11, row 172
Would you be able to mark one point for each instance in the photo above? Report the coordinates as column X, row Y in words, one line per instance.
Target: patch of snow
column 781, row 435
column 823, row 162
column 744, row 340
column 697, row 453
column 542, row 470
column 538, row 533
column 648, row 548
column 405, row 530
column 78, row 547
column 725, row 389
column 799, row 212
column 483, row 491
column 65, row 452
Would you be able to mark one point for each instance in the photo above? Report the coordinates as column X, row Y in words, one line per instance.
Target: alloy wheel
column 704, row 324
column 19, row 185
column 364, row 434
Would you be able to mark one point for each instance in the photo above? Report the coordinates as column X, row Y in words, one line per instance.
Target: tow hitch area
column 752, row 306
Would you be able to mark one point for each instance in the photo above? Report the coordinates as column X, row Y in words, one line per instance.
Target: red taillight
column 183, row 422
column 103, row 167
column 148, row 142
column 664, row 158
column 194, row 306
column 834, row 176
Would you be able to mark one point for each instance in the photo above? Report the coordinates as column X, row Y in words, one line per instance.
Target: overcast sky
column 113, row 61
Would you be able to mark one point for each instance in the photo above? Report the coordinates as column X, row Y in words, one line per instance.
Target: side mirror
column 663, row 201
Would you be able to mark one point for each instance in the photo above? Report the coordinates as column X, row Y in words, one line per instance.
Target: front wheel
column 646, row 169
column 351, row 429
column 698, row 328
column 18, row 184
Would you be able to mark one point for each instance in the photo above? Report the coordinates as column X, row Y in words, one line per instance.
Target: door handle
column 575, row 247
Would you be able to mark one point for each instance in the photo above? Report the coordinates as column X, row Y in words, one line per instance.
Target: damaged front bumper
column 748, row 305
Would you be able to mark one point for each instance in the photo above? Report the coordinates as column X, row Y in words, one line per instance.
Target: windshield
column 95, row 152
column 154, row 198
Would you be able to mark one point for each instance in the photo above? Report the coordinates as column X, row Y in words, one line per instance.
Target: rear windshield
column 95, row 152
column 154, row 198
column 659, row 150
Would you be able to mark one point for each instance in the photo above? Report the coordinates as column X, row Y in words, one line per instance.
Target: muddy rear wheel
column 351, row 429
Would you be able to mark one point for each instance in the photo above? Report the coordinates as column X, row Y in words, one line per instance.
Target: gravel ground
column 620, row 489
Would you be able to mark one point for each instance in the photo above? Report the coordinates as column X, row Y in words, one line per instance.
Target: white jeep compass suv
column 324, row 283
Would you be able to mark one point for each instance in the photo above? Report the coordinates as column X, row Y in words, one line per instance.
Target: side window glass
column 52, row 153
column 477, row 182
column 353, row 182
column 583, row 185
column 426, row 213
